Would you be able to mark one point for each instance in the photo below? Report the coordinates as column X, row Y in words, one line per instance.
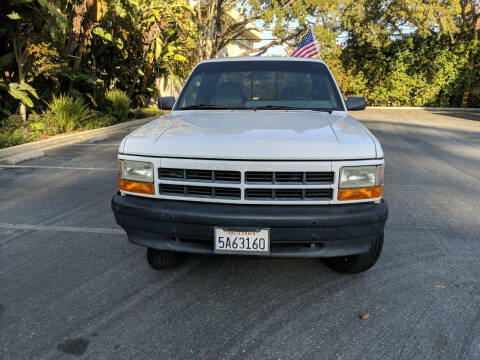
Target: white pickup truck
column 259, row 156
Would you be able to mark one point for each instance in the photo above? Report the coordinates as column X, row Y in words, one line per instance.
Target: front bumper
column 295, row 231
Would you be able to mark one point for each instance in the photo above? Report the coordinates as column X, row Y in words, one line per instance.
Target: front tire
column 161, row 259
column 356, row 263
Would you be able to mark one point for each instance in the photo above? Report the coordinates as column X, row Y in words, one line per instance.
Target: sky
column 279, row 50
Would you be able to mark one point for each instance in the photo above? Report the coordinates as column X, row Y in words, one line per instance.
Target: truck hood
column 253, row 135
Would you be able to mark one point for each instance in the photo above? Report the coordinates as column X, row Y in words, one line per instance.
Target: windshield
column 260, row 85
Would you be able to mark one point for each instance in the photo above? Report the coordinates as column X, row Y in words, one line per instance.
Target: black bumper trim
column 295, row 230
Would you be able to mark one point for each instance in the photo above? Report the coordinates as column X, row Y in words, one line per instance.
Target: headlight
column 136, row 170
column 360, row 182
column 360, row 176
column 136, row 177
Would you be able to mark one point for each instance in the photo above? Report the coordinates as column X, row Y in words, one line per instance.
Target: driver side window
column 193, row 90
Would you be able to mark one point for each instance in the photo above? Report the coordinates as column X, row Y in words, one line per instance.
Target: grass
column 70, row 112
column 119, row 104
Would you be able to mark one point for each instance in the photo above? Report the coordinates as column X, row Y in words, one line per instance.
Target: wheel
column 356, row 263
column 161, row 259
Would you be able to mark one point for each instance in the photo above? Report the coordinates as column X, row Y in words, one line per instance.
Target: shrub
column 120, row 104
column 11, row 123
column 13, row 131
column 99, row 120
column 46, row 121
column 70, row 112
column 147, row 112
column 11, row 139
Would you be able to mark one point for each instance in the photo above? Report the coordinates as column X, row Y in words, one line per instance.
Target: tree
column 389, row 40
column 84, row 16
column 222, row 21
column 140, row 40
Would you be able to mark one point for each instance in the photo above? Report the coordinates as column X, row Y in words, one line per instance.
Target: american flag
column 307, row 47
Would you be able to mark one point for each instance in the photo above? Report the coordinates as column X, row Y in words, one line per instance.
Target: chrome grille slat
column 319, row 177
column 296, row 194
column 199, row 191
column 172, row 189
column 199, row 175
column 170, row 173
column 228, row 193
column 226, row 176
column 259, row 177
column 318, row 194
column 254, row 186
column 289, row 177
column 288, row 194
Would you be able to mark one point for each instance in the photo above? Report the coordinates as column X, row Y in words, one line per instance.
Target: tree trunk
column 18, row 43
column 23, row 107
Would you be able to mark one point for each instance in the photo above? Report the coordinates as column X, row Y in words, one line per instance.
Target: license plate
column 242, row 241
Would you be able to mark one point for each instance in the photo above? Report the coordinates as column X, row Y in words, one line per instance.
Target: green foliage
column 119, row 104
column 22, row 92
column 413, row 71
column 14, row 16
column 6, row 59
column 99, row 120
column 410, row 52
column 147, row 112
column 70, row 112
column 9, row 139
column 11, row 123
column 45, row 120
column 45, row 61
column 14, row 131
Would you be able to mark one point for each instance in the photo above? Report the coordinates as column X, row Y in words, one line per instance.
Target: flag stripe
column 297, row 50
column 304, row 53
column 308, row 53
column 306, row 49
column 312, row 52
column 307, row 46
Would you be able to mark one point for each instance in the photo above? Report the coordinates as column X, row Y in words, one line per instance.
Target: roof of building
column 250, row 34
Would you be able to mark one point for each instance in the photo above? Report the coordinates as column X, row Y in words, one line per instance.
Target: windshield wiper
column 284, row 107
column 273, row 107
column 322, row 110
column 207, row 107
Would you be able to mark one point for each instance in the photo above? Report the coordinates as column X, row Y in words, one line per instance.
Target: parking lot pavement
column 71, row 286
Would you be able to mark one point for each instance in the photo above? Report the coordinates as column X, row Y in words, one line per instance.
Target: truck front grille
column 246, row 186
column 199, row 175
column 288, row 194
column 286, row 177
column 200, row 191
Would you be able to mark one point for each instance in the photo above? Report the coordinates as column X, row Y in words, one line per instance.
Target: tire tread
column 161, row 259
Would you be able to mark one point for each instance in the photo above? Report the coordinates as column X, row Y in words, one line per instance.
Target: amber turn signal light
column 360, row 193
column 136, row 186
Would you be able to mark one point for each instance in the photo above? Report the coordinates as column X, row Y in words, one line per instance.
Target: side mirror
column 166, row 102
column 356, row 103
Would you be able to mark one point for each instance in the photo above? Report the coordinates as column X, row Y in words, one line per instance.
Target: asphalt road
column 71, row 285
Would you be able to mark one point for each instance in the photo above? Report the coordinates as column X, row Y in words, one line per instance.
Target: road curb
column 422, row 108
column 25, row 157
column 69, row 138
column 97, row 139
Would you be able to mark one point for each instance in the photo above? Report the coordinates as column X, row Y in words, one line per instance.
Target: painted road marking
column 97, row 144
column 61, row 228
column 54, row 167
